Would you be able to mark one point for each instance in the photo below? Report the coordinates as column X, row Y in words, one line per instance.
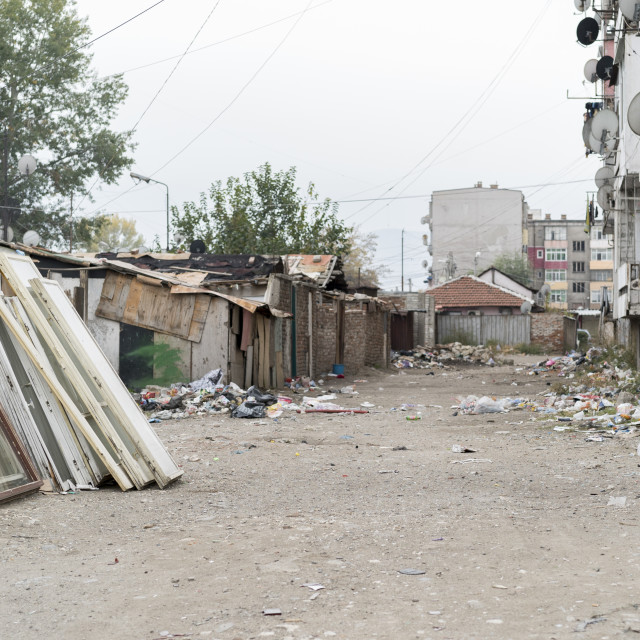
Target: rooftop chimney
column 479, row 184
column 563, row 216
column 493, row 186
column 547, row 216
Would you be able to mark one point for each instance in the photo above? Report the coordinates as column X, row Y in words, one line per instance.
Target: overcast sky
column 368, row 99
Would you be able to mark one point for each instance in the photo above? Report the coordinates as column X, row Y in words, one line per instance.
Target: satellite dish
column 602, row 146
column 586, row 134
column 31, row 238
column 604, row 121
column 582, row 5
column 629, row 9
column 9, row 234
column 604, row 175
column 544, row 290
column 103, row 247
column 590, row 72
column 633, row 115
column 604, row 67
column 424, row 220
column 604, row 196
column 587, row 31
column 179, row 238
column 425, row 264
column 525, row 307
column 197, row 246
column 27, row 165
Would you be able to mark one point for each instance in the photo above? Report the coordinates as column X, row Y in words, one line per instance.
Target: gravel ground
column 515, row 540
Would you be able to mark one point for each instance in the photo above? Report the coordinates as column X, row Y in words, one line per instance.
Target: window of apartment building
column 578, row 267
column 540, row 274
column 578, row 245
column 602, row 275
column 540, row 253
column 602, row 254
column 559, row 296
column 597, row 234
column 556, row 255
column 555, row 233
column 556, row 275
column 596, row 296
column 578, row 287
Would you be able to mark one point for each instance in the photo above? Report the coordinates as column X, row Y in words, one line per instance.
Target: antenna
column 587, row 31
column 27, row 165
column 604, row 127
column 590, row 72
column 604, row 196
column 31, row 238
column 633, row 115
column 197, row 246
column 604, row 175
column 630, row 9
column 604, row 67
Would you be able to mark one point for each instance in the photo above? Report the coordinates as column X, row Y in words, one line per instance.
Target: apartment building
column 470, row 228
column 576, row 265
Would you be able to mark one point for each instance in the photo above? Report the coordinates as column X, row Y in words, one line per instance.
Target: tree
column 53, row 106
column 516, row 265
column 358, row 264
column 263, row 212
column 112, row 233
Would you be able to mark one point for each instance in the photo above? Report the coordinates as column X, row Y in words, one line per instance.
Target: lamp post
column 137, row 176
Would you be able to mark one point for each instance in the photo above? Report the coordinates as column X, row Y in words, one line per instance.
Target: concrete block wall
column 547, row 331
column 377, row 324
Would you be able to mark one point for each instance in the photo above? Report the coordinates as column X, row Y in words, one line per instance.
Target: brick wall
column 377, row 322
column 547, row 330
column 355, row 340
column 325, row 334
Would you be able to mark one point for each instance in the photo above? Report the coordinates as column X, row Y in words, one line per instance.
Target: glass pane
column 12, row 474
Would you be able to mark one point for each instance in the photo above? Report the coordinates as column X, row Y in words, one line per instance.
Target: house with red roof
column 469, row 295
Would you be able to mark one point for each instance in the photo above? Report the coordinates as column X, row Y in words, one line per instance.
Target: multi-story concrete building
column 575, row 265
column 470, row 228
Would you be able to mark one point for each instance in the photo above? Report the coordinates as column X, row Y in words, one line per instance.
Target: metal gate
column 402, row 332
column 481, row 329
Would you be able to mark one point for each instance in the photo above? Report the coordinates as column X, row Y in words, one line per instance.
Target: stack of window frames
column 95, row 413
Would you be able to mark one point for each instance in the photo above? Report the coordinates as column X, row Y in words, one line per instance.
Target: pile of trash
column 441, row 355
column 210, row 396
column 598, row 371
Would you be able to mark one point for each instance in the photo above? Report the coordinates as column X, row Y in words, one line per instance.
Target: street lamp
column 137, row 176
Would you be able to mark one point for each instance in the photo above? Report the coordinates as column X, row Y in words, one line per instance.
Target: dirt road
column 518, row 543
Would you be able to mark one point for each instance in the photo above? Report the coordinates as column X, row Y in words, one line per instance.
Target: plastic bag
column 263, row 398
column 209, row 381
column 489, row 405
column 249, row 410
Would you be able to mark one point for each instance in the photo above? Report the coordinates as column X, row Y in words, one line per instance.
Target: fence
column 481, row 329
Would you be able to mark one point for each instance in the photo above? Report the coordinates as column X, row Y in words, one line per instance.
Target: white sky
column 357, row 94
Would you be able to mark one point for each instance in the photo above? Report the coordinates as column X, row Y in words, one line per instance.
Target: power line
column 162, row 86
column 229, row 39
column 106, row 33
column 237, row 96
column 470, row 113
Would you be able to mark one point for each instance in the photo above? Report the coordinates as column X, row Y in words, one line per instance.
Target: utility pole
column 402, row 261
column 5, row 188
column 71, row 225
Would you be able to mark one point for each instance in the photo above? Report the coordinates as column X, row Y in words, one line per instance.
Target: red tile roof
column 470, row 292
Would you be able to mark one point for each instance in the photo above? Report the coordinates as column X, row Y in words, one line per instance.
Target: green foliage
column 53, row 106
column 460, row 336
column 114, row 232
column 516, row 265
column 358, row 265
column 529, row 348
column 263, row 212
column 164, row 361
